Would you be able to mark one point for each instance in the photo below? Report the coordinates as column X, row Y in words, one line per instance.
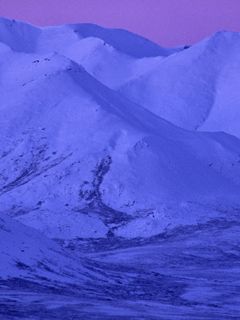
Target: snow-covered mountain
column 197, row 88
column 110, row 55
column 23, row 37
column 78, row 159
column 116, row 184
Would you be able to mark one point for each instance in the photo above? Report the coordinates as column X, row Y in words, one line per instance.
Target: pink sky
column 168, row 22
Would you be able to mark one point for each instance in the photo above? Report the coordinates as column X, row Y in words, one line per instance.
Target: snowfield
column 110, row 143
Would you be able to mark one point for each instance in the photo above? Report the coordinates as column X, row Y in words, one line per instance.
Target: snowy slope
column 106, row 208
column 27, row 254
column 71, row 146
column 19, row 36
column 110, row 55
column 78, row 159
column 23, row 37
column 196, row 88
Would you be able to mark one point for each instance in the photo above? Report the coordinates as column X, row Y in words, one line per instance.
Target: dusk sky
column 168, row 22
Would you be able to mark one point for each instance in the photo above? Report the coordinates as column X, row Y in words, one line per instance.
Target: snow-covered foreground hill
column 26, row 253
column 90, row 155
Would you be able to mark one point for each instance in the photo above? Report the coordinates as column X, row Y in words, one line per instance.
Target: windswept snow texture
column 119, row 175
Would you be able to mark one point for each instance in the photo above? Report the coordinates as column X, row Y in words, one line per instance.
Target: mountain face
column 107, row 138
column 79, row 159
column 197, row 88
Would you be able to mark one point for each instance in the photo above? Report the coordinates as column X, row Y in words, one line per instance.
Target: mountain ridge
column 76, row 140
column 67, row 131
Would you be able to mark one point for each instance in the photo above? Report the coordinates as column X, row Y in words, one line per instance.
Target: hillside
column 27, row 254
column 73, row 147
column 197, row 88
column 119, row 175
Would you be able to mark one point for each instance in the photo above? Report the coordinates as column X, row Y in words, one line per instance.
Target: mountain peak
column 125, row 41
